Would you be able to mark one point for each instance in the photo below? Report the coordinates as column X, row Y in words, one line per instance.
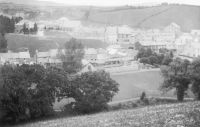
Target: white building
column 182, row 41
column 87, row 66
column 111, row 34
column 173, row 28
column 90, row 54
column 124, row 35
column 195, row 32
column 118, row 34
column 15, row 58
column 192, row 49
column 50, row 57
column 154, row 46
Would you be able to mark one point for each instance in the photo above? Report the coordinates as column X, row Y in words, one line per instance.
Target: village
column 121, row 52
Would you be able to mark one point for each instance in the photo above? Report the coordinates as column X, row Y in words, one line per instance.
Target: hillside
column 186, row 16
column 169, row 115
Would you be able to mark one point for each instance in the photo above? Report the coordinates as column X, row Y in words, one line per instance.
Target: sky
column 121, row 2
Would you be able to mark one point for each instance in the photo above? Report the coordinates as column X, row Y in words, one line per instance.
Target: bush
column 144, row 60
column 92, row 91
column 143, row 99
column 153, row 60
column 143, row 96
column 167, row 60
column 28, row 91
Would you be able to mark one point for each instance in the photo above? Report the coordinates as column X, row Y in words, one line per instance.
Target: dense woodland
column 7, row 25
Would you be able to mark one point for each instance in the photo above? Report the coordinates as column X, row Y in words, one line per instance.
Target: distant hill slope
column 168, row 115
column 187, row 16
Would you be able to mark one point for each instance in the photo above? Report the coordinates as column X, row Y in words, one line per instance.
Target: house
column 50, row 57
column 195, row 32
column 19, row 26
column 172, row 28
column 191, row 49
column 15, row 58
column 20, row 14
column 124, row 35
column 90, row 54
column 111, row 34
column 154, row 46
column 181, row 41
column 42, row 57
column 87, row 66
column 118, row 34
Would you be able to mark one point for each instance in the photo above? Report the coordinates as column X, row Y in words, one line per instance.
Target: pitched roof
column 90, row 51
column 20, row 55
column 43, row 54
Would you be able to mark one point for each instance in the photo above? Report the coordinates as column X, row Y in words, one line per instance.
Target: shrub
column 143, row 99
column 92, row 91
column 167, row 60
column 143, row 96
column 153, row 60
column 144, row 60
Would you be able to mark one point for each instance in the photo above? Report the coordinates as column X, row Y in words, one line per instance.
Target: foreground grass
column 169, row 115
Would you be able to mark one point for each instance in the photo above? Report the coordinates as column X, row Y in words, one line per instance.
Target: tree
column 29, row 91
column 141, row 53
column 153, row 60
column 144, row 53
column 167, row 60
column 72, row 58
column 195, row 77
column 25, row 29
column 92, row 91
column 3, row 43
column 160, row 58
column 163, row 50
column 171, row 54
column 12, row 25
column 7, row 25
column 35, row 28
column 176, row 75
column 138, row 46
column 148, row 52
column 145, row 60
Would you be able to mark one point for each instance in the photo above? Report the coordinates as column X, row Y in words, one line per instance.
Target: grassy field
column 133, row 84
column 51, row 40
column 168, row 115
